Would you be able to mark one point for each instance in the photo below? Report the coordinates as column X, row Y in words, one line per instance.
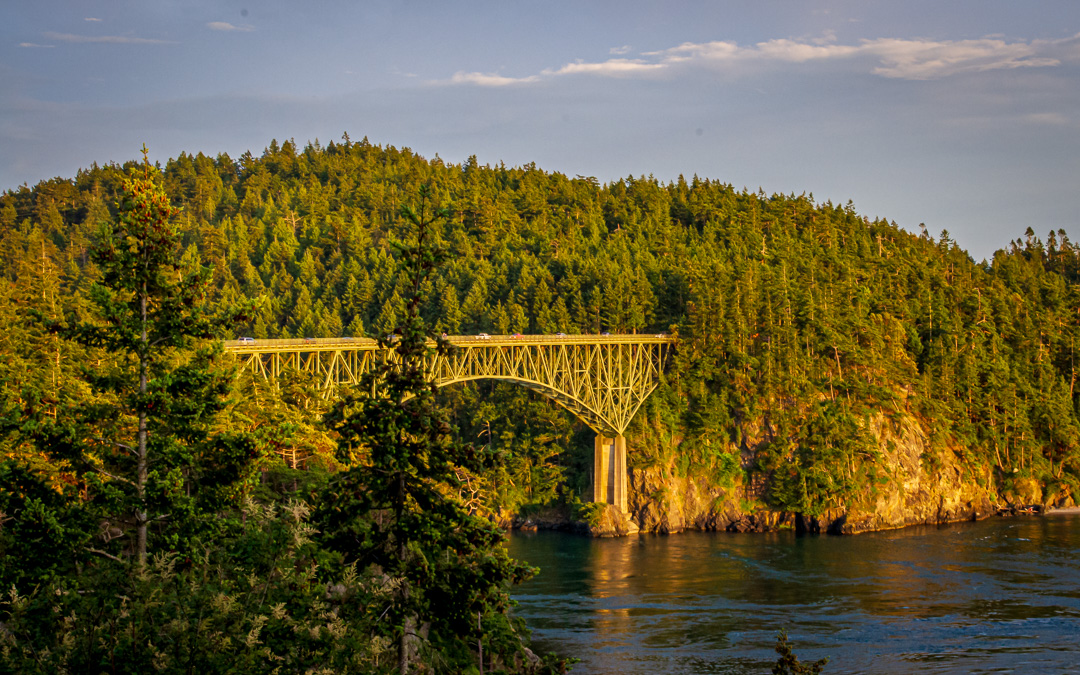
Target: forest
column 798, row 324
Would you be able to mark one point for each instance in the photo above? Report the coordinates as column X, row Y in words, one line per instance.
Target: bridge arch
column 594, row 420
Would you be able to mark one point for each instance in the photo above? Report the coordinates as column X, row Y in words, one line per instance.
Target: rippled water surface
column 1000, row 596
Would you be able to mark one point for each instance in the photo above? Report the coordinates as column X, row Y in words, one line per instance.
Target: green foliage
column 396, row 506
column 588, row 512
column 44, row 528
column 786, row 309
column 817, row 473
column 250, row 603
column 138, row 458
column 529, row 446
column 128, row 543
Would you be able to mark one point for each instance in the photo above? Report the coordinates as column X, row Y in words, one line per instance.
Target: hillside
column 829, row 365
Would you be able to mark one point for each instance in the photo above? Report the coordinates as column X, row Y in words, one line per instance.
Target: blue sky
column 964, row 116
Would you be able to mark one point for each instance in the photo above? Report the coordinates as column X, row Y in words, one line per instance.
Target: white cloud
column 92, row 19
column 909, row 59
column 798, row 52
column 489, row 79
column 690, row 51
column 619, row 51
column 896, row 58
column 226, row 26
column 927, row 60
column 609, row 68
column 1052, row 119
column 108, row 39
column 34, row 45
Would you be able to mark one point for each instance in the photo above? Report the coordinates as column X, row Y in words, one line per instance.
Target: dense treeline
column 798, row 321
column 134, row 534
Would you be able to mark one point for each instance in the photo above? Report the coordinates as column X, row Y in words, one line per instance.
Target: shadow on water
column 995, row 596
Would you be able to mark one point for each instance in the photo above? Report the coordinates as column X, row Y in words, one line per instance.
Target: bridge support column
column 609, row 471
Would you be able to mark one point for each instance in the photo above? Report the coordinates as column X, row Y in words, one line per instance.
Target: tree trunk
column 480, row 642
column 409, row 625
column 403, row 649
column 140, row 478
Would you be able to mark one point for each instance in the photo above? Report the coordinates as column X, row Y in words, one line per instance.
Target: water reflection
column 999, row 595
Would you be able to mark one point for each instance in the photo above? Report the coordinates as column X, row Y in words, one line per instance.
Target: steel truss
column 602, row 380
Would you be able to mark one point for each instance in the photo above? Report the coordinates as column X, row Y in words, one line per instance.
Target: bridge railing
column 249, row 345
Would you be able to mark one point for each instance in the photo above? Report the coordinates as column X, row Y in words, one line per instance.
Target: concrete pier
column 609, row 471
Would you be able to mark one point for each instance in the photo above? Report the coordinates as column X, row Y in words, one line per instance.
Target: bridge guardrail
column 334, row 343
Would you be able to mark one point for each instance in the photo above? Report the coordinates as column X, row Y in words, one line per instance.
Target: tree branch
column 110, row 556
column 115, row 477
column 118, row 444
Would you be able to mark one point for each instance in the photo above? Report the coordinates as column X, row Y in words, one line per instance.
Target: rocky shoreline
column 612, row 523
column 918, row 484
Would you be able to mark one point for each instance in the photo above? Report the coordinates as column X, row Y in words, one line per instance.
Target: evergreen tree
column 144, row 446
column 397, row 505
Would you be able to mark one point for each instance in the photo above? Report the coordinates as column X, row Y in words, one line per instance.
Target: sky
column 961, row 116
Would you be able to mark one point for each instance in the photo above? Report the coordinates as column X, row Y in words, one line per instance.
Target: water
column 1000, row 596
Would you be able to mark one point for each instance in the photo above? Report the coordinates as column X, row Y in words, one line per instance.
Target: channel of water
column 997, row 596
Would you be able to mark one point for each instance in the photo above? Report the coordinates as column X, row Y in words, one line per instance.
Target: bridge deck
column 603, row 379
column 263, row 346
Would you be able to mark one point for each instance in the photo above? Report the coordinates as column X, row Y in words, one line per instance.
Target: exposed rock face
column 613, row 523
column 663, row 503
column 916, row 485
column 919, row 486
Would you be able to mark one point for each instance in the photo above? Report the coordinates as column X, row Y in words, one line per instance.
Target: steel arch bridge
column 601, row 379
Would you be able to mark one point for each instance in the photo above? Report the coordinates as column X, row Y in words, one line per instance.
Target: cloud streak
column 907, row 59
column 104, row 39
column 895, row 58
column 488, row 79
column 609, row 68
column 226, row 26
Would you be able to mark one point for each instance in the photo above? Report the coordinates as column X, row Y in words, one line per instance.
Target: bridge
column 601, row 379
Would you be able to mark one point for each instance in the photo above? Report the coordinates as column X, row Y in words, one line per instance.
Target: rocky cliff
column 916, row 484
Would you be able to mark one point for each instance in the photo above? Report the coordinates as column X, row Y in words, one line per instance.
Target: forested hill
column 799, row 322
